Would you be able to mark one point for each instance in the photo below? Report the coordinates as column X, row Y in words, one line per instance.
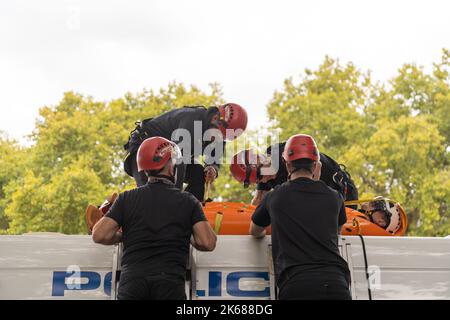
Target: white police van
column 56, row 266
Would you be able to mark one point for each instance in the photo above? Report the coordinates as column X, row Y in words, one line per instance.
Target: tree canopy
column 393, row 137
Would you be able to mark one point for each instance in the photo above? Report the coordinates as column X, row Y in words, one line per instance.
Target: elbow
column 252, row 230
column 209, row 244
column 256, row 235
column 97, row 237
column 257, row 232
column 212, row 244
column 210, row 247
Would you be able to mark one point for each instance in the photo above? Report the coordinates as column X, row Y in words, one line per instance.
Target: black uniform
column 164, row 126
column 332, row 174
column 156, row 221
column 306, row 216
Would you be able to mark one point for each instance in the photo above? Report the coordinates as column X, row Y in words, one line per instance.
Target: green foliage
column 12, row 163
column 326, row 104
column 393, row 137
column 58, row 205
column 77, row 157
column 432, row 203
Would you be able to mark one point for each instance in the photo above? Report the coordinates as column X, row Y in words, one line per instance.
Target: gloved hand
column 210, row 174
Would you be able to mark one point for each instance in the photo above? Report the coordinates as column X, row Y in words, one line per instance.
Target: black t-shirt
column 329, row 168
column 156, row 221
column 305, row 216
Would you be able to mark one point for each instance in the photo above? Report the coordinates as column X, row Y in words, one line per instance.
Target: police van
column 57, row 266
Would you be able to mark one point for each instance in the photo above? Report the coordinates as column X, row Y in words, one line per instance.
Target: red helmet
column 232, row 116
column 244, row 167
column 155, row 152
column 300, row 146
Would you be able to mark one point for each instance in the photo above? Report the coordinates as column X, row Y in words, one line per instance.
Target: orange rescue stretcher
column 233, row 218
column 359, row 223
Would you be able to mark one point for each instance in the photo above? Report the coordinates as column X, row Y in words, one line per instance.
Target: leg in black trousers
column 152, row 288
column 195, row 178
column 315, row 286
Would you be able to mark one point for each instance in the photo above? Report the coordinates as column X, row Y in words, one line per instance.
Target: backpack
column 337, row 177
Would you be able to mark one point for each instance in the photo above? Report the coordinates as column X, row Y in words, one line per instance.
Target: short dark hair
column 303, row 164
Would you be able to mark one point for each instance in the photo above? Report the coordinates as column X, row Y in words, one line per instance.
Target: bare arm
column 260, row 218
column 204, row 238
column 106, row 231
column 258, row 197
column 257, row 231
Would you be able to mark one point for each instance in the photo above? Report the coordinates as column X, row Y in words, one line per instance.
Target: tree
column 397, row 161
column 58, row 205
column 77, row 155
column 12, row 166
column 327, row 103
column 433, row 201
column 394, row 138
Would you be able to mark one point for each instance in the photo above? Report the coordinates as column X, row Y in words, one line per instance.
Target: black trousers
column 155, row 287
column 313, row 285
column 192, row 174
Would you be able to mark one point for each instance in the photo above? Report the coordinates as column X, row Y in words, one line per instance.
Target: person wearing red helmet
column 306, row 216
column 157, row 222
column 231, row 119
column 246, row 167
column 268, row 170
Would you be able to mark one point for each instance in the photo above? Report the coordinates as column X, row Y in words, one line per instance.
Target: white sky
column 107, row 48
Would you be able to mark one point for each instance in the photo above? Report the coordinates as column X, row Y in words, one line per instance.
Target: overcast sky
column 107, row 48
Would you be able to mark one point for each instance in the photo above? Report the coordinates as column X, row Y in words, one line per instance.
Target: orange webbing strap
column 355, row 224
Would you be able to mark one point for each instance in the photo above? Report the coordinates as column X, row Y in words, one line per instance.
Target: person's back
column 165, row 124
column 156, row 222
column 305, row 215
column 183, row 118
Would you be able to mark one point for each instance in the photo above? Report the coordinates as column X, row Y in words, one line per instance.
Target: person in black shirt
column 229, row 116
column 306, row 216
column 156, row 222
column 269, row 171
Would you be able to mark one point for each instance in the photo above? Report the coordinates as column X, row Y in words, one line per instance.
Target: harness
column 341, row 179
column 139, row 133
